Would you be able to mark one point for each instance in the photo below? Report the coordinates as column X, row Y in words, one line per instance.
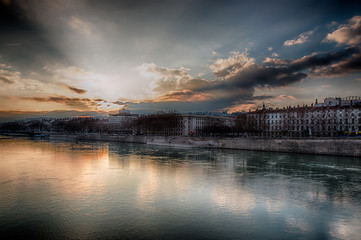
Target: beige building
column 193, row 124
column 333, row 117
column 169, row 124
column 124, row 118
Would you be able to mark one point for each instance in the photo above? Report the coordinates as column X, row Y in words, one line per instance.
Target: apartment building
column 333, row 117
column 124, row 117
column 174, row 124
column 193, row 124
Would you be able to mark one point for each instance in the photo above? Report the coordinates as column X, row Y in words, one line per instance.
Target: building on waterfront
column 193, row 124
column 174, row 124
column 123, row 117
column 122, row 122
column 333, row 117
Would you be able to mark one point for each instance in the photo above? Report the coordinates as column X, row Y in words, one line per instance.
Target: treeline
column 171, row 124
column 155, row 124
column 161, row 124
column 74, row 125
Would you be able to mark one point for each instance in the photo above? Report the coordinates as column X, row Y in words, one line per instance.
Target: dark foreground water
column 97, row 190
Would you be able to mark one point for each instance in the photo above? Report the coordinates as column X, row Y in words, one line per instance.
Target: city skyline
column 185, row 56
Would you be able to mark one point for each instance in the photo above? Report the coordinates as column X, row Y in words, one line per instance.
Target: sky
column 86, row 56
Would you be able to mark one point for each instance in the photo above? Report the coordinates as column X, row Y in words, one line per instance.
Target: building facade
column 124, row 117
column 193, row 124
column 333, row 117
column 174, row 124
column 122, row 122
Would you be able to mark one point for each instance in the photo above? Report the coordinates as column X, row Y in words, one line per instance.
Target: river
column 107, row 190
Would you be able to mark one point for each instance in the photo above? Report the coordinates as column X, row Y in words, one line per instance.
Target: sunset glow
column 100, row 56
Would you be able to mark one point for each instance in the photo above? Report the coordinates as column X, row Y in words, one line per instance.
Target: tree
column 166, row 124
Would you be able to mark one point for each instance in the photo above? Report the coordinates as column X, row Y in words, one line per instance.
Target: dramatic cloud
column 240, row 71
column 258, row 102
column 81, row 103
column 167, row 80
column 185, row 95
column 237, row 77
column 321, row 59
column 6, row 80
column 60, row 99
column 226, row 68
column 330, row 64
column 300, row 39
column 77, row 90
column 349, row 33
column 347, row 66
column 243, row 72
column 276, row 61
column 83, row 52
column 18, row 83
column 150, row 69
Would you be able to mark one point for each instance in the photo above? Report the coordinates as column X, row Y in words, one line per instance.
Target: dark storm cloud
column 283, row 72
column 348, row 66
column 77, row 90
column 323, row 59
column 260, row 76
column 239, row 75
column 331, row 64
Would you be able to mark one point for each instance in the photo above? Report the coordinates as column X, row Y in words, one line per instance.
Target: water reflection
column 108, row 190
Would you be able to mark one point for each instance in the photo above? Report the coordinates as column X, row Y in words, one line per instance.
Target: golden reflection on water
column 95, row 181
column 238, row 201
column 73, row 164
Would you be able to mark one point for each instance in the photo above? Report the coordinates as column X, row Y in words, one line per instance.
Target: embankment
column 342, row 147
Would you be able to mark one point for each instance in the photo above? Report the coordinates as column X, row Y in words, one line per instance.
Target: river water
column 101, row 190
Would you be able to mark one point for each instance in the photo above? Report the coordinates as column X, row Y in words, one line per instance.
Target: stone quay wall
column 325, row 146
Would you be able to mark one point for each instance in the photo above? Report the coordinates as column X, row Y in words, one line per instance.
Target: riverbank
column 341, row 147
